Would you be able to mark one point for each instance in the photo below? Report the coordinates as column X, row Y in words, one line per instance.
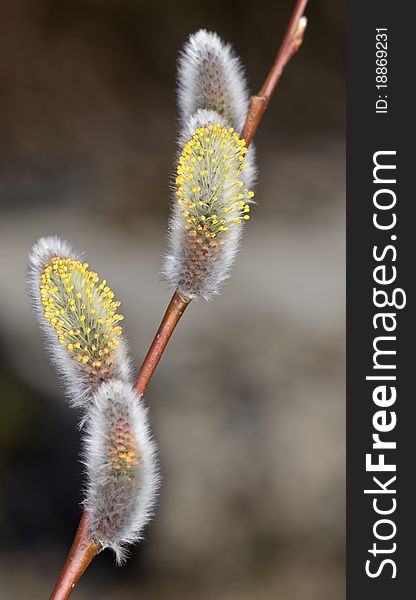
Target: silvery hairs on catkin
column 120, row 457
column 211, row 77
column 215, row 170
column 78, row 315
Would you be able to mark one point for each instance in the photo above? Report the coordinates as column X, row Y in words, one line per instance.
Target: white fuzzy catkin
column 120, row 457
column 210, row 208
column 211, row 76
column 78, row 317
column 215, row 170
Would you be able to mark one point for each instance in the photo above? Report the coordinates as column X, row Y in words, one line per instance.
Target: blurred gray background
column 248, row 402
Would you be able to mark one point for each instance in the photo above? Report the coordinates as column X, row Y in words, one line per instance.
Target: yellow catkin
column 210, row 191
column 83, row 313
column 122, row 450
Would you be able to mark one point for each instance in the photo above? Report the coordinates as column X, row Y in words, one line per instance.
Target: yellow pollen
column 82, row 313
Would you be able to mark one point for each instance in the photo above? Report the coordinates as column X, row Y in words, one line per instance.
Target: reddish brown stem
column 173, row 313
column 81, row 554
column 290, row 44
column 83, row 550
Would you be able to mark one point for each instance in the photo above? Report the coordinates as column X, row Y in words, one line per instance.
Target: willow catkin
column 215, row 170
column 79, row 315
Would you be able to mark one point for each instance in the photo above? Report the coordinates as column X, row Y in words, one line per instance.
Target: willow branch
column 173, row 313
column 83, row 549
column 291, row 43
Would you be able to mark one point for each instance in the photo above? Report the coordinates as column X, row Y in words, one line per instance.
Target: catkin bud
column 120, row 458
column 211, row 76
column 78, row 314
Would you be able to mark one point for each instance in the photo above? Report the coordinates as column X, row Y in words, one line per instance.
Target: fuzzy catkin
column 215, row 169
column 211, row 205
column 120, row 458
column 78, row 315
column 211, row 76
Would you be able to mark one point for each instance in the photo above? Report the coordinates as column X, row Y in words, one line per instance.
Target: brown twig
column 291, row 43
column 81, row 554
column 83, row 550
